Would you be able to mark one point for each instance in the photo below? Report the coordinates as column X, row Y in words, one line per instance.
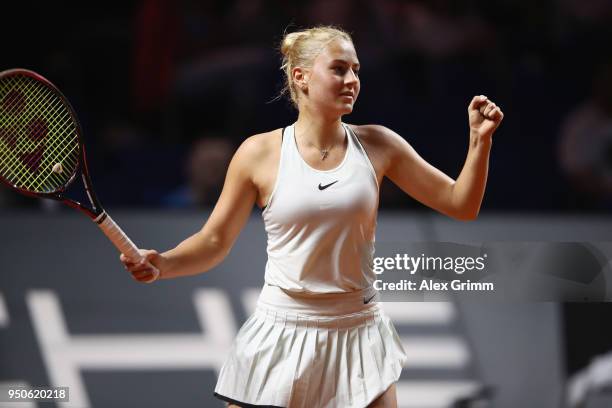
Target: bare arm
column 209, row 246
column 461, row 198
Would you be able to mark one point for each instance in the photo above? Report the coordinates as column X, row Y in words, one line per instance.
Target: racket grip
column 118, row 237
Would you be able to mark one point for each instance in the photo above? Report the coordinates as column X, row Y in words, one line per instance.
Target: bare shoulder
column 381, row 145
column 258, row 149
column 376, row 136
column 379, row 141
column 260, row 145
column 257, row 159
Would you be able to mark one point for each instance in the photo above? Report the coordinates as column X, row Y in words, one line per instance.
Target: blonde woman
column 318, row 338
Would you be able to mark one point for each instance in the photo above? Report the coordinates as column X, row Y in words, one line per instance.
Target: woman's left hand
column 485, row 117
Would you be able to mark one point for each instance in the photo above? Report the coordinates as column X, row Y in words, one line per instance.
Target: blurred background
column 167, row 90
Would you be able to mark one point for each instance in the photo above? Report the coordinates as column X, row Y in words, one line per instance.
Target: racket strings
column 52, row 151
column 17, row 121
column 27, row 143
column 37, row 133
column 39, row 184
column 14, row 122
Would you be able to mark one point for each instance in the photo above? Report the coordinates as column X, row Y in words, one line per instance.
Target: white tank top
column 321, row 223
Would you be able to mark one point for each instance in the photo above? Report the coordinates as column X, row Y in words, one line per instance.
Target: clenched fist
column 485, row 116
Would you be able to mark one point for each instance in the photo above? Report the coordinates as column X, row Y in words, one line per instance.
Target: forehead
column 339, row 49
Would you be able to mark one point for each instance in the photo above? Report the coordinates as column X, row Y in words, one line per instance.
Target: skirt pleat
column 270, row 358
column 326, row 351
column 308, row 366
column 256, row 351
column 292, row 363
column 285, row 359
column 347, row 358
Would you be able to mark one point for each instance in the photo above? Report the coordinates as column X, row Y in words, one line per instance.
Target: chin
column 339, row 109
column 346, row 109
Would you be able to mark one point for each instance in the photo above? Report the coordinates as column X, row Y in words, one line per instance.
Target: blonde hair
column 300, row 48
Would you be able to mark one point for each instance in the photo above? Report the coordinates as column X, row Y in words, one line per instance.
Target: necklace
column 324, row 153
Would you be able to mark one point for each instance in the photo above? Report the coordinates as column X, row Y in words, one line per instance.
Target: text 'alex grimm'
column 430, row 285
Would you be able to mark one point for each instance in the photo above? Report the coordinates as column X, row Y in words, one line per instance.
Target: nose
column 352, row 77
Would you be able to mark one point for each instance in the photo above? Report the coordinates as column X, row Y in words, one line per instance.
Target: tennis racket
column 41, row 149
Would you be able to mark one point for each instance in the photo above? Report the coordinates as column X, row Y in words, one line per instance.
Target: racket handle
column 118, row 237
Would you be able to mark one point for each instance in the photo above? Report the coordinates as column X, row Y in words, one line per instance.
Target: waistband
column 320, row 304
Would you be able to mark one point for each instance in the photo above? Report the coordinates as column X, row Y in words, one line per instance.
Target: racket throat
column 100, row 218
column 95, row 205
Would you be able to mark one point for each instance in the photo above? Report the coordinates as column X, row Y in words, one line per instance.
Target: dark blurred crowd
column 167, row 90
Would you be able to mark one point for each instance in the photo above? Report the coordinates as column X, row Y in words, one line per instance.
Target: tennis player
column 318, row 337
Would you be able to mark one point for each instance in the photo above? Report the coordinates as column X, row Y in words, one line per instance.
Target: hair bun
column 289, row 42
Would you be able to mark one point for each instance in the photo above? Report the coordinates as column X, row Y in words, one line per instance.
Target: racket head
column 40, row 135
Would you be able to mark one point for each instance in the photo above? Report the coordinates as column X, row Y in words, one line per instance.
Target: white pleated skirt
column 330, row 350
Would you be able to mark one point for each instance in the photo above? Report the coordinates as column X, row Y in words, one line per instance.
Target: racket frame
column 96, row 209
column 96, row 213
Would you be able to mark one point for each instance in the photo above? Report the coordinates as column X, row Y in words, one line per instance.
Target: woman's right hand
column 145, row 271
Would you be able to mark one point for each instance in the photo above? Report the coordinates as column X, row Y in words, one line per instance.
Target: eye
column 339, row 70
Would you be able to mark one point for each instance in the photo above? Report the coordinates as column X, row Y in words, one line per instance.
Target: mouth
column 348, row 95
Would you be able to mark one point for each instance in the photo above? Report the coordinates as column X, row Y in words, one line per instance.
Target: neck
column 319, row 131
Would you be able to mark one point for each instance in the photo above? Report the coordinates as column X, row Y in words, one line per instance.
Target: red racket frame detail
column 82, row 163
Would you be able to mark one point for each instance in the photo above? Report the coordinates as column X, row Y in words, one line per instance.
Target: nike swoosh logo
column 327, row 185
column 365, row 302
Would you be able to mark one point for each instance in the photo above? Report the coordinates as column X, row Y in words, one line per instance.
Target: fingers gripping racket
column 41, row 150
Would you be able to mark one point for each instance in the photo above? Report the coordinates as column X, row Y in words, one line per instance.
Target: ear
column 300, row 77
